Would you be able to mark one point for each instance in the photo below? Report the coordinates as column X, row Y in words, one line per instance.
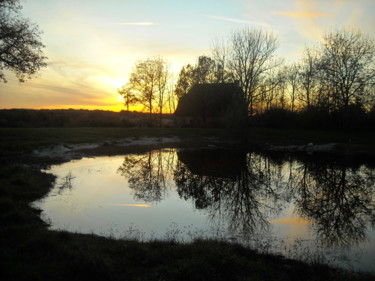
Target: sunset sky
column 92, row 45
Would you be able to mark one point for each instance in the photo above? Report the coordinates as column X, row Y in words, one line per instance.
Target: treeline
column 309, row 118
column 355, row 118
column 332, row 85
column 27, row 118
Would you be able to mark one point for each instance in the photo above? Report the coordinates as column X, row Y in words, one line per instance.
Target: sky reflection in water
column 300, row 205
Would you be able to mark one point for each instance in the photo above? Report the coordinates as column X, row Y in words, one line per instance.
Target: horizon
column 92, row 48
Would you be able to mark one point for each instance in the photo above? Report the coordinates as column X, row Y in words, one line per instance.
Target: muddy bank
column 68, row 152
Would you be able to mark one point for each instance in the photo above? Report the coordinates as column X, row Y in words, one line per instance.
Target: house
column 212, row 105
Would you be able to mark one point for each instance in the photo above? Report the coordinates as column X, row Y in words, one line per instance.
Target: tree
column 272, row 90
column 148, row 84
column 292, row 73
column 143, row 82
column 20, row 43
column 128, row 95
column 171, row 97
column 250, row 56
column 204, row 71
column 162, row 75
column 220, row 54
column 347, row 65
column 185, row 81
column 308, row 74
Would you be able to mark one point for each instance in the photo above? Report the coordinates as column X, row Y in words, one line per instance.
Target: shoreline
column 32, row 251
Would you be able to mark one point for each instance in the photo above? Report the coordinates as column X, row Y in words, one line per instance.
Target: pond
column 308, row 207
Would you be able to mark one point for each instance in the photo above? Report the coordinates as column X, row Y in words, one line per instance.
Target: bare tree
column 20, row 43
column 220, row 53
column 162, row 75
column 347, row 64
column 171, row 97
column 308, row 74
column 272, row 91
column 252, row 54
column 292, row 80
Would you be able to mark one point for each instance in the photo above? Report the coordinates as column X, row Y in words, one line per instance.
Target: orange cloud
column 297, row 221
column 133, row 205
column 303, row 15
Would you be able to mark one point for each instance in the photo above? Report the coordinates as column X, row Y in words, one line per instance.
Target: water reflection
column 271, row 201
column 247, row 189
column 147, row 173
column 339, row 198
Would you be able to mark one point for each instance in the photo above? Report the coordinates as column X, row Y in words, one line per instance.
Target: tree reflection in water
column 338, row 198
column 243, row 189
column 147, row 174
column 249, row 188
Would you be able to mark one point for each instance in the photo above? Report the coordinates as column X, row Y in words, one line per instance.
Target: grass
column 26, row 139
column 29, row 251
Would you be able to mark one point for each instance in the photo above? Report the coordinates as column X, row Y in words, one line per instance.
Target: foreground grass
column 31, row 252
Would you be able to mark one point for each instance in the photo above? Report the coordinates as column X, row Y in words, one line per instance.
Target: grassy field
column 31, row 252
column 26, row 139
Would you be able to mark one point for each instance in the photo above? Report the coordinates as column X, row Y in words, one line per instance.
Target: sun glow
column 133, row 205
column 296, row 221
column 116, row 83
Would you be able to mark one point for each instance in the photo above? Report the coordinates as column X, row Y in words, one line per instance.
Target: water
column 309, row 207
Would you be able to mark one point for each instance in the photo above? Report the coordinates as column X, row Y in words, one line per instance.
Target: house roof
column 209, row 100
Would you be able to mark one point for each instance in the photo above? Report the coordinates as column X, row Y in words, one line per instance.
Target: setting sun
column 91, row 55
column 187, row 140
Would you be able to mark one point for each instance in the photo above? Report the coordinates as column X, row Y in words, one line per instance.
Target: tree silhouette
column 204, row 71
column 347, row 64
column 147, row 83
column 128, row 95
column 248, row 57
column 147, row 174
column 338, row 199
column 242, row 199
column 243, row 190
column 20, row 43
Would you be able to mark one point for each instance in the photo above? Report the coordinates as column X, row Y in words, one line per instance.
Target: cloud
column 75, row 88
column 136, row 23
column 236, row 20
column 303, row 14
column 133, row 205
column 295, row 221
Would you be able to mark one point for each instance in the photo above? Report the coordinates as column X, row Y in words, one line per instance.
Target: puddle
column 309, row 208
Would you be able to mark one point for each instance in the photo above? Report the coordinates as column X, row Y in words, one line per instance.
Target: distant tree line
column 27, row 118
column 332, row 86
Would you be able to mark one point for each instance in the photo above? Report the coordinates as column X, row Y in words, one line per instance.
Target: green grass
column 29, row 251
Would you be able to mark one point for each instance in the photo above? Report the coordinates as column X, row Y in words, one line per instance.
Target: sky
column 93, row 45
